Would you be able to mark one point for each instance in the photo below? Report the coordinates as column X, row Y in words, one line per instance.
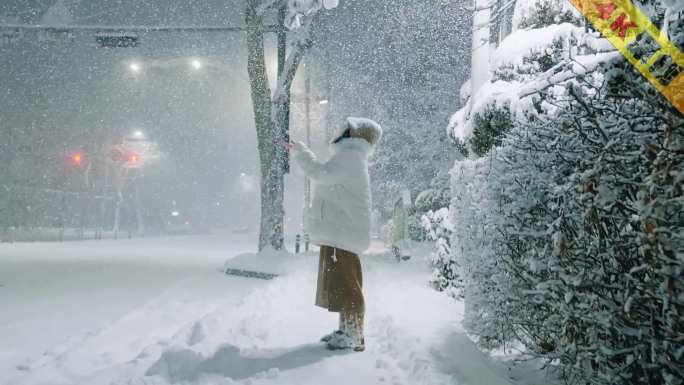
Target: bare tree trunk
column 272, row 184
column 271, row 120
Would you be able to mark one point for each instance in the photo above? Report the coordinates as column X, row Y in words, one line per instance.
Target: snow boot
column 351, row 337
column 328, row 337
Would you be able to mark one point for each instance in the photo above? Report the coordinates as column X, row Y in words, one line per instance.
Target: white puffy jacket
column 340, row 214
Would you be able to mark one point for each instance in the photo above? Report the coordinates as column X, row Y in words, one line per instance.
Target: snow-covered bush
column 611, row 277
column 474, row 221
column 437, row 195
column 438, row 228
column 541, row 13
column 517, row 76
column 569, row 236
column 488, row 129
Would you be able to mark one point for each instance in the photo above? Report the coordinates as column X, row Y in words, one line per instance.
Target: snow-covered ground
column 158, row 311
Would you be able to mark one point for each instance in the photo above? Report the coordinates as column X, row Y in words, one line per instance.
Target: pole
column 307, row 181
column 480, row 45
column 86, row 199
column 130, row 28
column 104, row 193
column 307, row 99
column 86, row 178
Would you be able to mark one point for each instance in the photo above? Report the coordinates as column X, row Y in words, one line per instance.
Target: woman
column 340, row 222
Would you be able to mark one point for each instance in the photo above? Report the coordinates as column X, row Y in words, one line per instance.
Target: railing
column 71, row 234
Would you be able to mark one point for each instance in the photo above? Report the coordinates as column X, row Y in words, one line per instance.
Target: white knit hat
column 366, row 129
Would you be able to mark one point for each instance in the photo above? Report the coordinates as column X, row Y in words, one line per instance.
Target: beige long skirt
column 340, row 281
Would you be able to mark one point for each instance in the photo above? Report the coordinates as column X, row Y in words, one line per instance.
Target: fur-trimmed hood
column 359, row 144
column 366, row 129
column 359, row 128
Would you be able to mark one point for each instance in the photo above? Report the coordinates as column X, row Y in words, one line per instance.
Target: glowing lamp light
column 134, row 67
column 133, row 158
column 196, row 64
column 77, row 158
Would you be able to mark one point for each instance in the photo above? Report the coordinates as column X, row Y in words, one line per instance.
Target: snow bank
column 210, row 328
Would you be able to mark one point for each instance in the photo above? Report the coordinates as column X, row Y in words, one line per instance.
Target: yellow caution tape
column 641, row 43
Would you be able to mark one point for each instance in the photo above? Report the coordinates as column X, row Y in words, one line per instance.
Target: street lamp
column 196, row 64
column 134, row 67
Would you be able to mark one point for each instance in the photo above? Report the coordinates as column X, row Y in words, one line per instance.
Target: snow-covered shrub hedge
column 488, row 129
column 434, row 198
column 611, row 282
column 541, row 13
column 437, row 195
column 475, row 198
column 438, row 228
column 569, row 236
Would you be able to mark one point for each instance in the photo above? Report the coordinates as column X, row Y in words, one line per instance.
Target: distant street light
column 138, row 134
column 196, row 64
column 134, row 67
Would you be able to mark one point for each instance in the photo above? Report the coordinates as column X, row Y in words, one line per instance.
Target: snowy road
column 157, row 311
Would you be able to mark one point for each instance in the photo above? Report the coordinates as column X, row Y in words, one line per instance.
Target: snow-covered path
column 157, row 311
